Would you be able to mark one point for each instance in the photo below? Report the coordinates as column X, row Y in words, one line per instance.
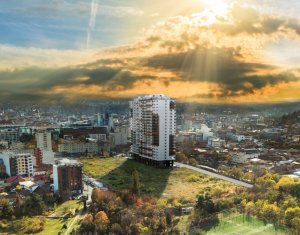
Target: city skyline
column 197, row 51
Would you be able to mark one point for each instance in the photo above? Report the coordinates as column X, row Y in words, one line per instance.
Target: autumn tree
column 101, row 222
column 87, row 225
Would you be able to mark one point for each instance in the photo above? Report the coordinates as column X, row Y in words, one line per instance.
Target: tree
column 205, row 205
column 290, row 214
column 96, row 194
column 270, row 212
column 34, row 205
column 181, row 157
column 25, row 138
column 135, row 182
column 296, row 225
column 29, row 225
column 101, row 222
column 116, row 229
column 5, row 209
column 193, row 161
column 87, row 224
column 236, row 173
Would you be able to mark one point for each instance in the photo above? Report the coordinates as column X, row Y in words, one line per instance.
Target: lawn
column 178, row 183
column 64, row 208
column 54, row 226
column 239, row 224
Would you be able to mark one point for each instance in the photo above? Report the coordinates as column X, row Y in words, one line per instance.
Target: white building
column 43, row 141
column 207, row 133
column 247, row 154
column 153, row 129
column 240, row 138
column 120, row 135
column 10, row 134
column 213, row 142
column 72, row 147
column 17, row 164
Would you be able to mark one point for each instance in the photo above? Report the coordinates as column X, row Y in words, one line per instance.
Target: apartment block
column 17, row 164
column 153, row 129
column 67, row 177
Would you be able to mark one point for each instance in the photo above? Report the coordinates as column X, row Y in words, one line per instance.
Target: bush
column 29, row 225
column 193, row 178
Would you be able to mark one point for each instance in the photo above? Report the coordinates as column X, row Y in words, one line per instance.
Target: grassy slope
column 53, row 226
column 63, row 209
column 178, row 183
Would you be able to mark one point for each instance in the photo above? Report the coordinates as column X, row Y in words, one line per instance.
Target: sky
column 205, row 51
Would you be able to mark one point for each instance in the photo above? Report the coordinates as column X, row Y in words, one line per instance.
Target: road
column 234, row 181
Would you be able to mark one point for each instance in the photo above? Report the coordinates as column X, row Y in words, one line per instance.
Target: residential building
column 75, row 147
column 43, row 141
column 67, row 177
column 44, row 144
column 99, row 133
column 17, row 164
column 153, row 129
column 120, row 135
column 10, row 134
column 213, row 142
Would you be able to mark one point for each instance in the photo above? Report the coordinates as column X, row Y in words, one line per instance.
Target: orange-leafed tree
column 101, row 222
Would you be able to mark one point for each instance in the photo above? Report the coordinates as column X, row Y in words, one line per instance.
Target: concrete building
column 99, row 133
column 153, row 129
column 74, row 148
column 67, row 177
column 10, row 134
column 213, row 142
column 120, row 135
column 44, row 144
column 17, row 164
column 43, row 141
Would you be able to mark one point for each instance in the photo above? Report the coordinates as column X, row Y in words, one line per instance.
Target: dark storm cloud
column 28, row 84
column 221, row 66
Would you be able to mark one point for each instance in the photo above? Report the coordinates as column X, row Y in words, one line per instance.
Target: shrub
column 29, row 225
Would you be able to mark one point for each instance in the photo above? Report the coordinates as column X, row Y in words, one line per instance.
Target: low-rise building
column 213, row 142
column 120, row 135
column 75, row 148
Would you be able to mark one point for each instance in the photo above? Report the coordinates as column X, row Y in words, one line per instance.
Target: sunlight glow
column 218, row 7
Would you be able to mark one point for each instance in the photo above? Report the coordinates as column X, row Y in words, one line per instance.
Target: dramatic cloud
column 201, row 57
column 220, row 66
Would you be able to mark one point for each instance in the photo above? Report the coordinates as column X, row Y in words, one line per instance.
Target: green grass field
column 178, row 183
column 54, row 226
column 239, row 224
column 64, row 208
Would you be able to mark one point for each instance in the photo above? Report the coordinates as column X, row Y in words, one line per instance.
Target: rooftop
column 67, row 161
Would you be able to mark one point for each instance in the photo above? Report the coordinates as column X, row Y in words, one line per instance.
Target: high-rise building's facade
column 153, row 129
column 44, row 153
column 17, row 164
column 43, row 141
column 67, row 177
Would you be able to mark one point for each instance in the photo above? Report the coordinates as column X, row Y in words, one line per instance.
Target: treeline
column 124, row 213
column 275, row 199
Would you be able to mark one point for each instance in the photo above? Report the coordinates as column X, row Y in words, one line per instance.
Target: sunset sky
column 213, row 51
